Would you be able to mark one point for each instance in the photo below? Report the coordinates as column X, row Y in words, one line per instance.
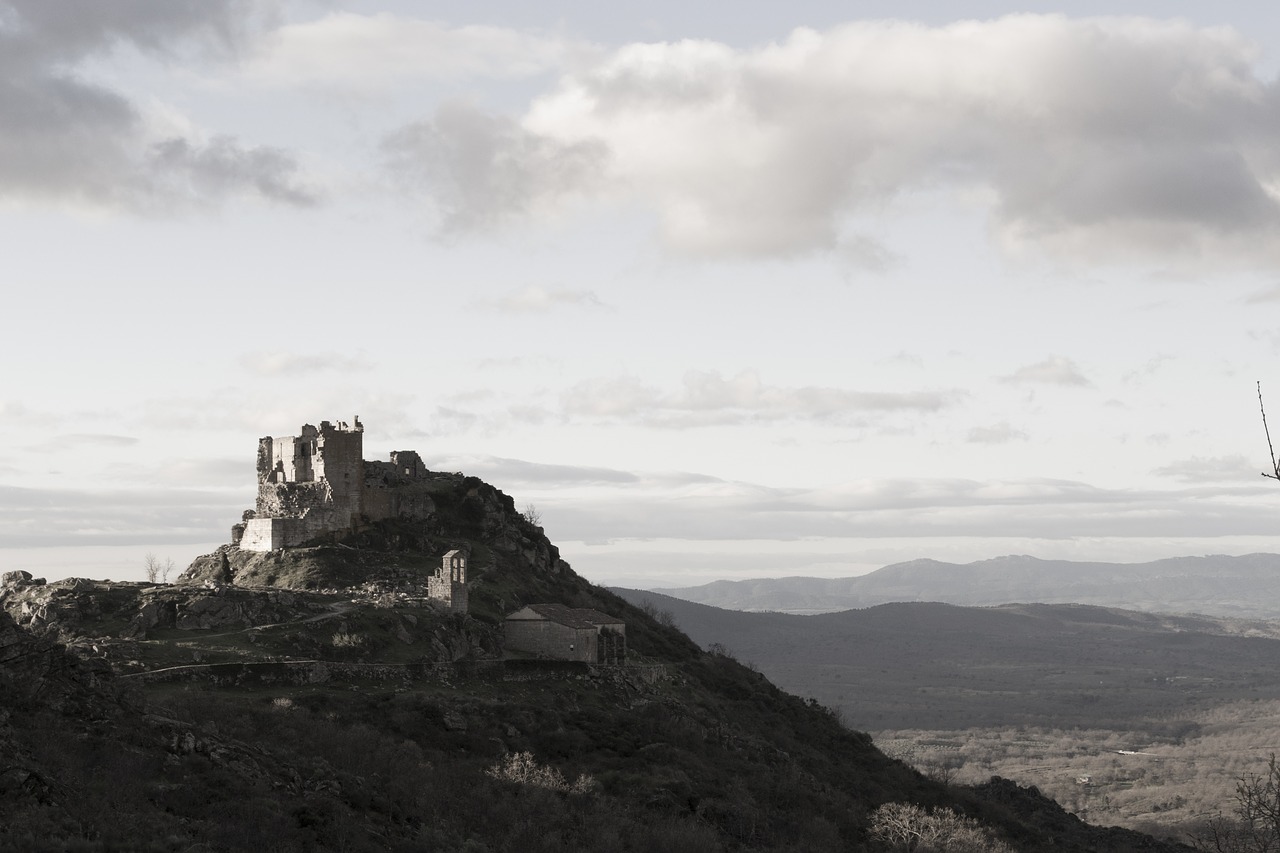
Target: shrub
column 521, row 768
column 912, row 829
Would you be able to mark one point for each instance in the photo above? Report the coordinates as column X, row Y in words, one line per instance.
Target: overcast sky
column 725, row 290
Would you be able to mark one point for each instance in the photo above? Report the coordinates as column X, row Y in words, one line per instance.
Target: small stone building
column 567, row 633
column 449, row 583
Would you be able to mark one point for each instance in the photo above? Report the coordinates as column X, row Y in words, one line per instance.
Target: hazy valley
column 1137, row 719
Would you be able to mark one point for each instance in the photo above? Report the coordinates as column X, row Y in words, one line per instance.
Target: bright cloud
column 1095, row 139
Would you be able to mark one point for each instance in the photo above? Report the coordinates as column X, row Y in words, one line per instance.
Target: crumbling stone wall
column 390, row 492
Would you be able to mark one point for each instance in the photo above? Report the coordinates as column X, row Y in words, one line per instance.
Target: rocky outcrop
column 77, row 608
column 19, row 579
column 36, row 672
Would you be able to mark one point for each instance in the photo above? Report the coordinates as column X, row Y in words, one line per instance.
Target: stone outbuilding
column 567, row 633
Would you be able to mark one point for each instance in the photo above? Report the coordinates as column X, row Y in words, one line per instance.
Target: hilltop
column 316, row 697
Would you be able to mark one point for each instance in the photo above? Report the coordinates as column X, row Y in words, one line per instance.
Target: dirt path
column 341, row 608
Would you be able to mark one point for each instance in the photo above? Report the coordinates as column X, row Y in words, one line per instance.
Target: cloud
column 94, row 440
column 904, row 359
column 41, row 517
column 500, row 471
column 1001, row 433
column 279, row 363
column 708, row 398
column 277, row 410
column 1096, row 139
column 66, row 139
column 536, row 300
column 1270, row 294
column 1149, row 369
column 368, row 53
column 481, row 172
column 222, row 167
column 17, row 412
column 1054, row 370
column 504, row 472
column 1217, row 469
column 203, row 472
column 921, row 509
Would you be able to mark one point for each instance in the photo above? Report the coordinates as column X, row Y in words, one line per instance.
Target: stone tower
column 309, row 484
column 449, row 583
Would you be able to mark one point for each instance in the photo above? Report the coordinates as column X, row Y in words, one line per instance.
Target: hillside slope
column 329, row 715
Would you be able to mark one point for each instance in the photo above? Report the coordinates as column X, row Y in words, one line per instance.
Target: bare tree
column 1255, row 827
column 532, row 514
column 151, row 565
column 1275, row 466
column 156, row 571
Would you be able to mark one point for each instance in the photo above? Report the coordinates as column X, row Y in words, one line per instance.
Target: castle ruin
column 308, row 485
column 316, row 486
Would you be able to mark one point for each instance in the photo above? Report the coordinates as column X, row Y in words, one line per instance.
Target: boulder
column 15, row 579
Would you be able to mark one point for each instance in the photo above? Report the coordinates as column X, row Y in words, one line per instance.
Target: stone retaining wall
column 296, row 673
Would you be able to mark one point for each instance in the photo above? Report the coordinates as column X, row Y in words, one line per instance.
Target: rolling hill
column 931, row 665
column 1246, row 586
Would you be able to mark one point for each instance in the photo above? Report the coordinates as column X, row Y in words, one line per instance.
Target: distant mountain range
column 1240, row 587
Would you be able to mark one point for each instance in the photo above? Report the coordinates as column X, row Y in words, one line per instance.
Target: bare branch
column 1275, row 467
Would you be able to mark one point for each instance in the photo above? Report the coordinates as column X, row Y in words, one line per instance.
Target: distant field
column 1163, row 785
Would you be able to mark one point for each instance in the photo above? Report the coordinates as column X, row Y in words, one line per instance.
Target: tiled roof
column 574, row 617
